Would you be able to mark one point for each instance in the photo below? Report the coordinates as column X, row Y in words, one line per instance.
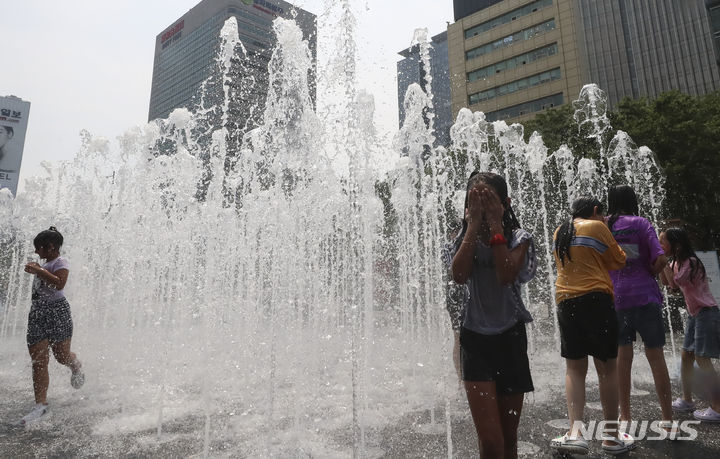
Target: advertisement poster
column 14, row 113
column 712, row 270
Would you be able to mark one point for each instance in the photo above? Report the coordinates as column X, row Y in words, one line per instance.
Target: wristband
column 498, row 239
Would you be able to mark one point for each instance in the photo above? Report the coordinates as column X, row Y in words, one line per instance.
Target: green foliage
column 684, row 133
column 558, row 127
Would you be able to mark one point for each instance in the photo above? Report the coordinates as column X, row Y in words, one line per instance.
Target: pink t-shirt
column 696, row 292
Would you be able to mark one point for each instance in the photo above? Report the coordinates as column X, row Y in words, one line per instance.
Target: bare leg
column 64, row 356
column 456, row 355
column 484, row 407
column 656, row 359
column 41, row 379
column 575, row 373
column 706, row 364
column 624, row 367
column 686, row 374
column 510, row 407
column 607, row 379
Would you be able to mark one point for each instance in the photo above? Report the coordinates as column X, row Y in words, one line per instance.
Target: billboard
column 14, row 113
column 712, row 271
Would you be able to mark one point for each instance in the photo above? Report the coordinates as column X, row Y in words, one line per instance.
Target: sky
column 87, row 64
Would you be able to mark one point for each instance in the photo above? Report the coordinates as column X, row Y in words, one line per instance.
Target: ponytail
column 581, row 208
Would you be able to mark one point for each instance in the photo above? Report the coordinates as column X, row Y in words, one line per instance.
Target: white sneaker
column 39, row 413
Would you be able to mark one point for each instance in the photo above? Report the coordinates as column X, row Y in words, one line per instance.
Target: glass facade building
column 185, row 51
column 641, row 48
column 713, row 7
column 514, row 58
column 409, row 71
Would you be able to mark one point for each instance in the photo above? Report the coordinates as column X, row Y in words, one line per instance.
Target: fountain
column 247, row 291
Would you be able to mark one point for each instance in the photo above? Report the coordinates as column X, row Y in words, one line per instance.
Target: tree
column 684, row 133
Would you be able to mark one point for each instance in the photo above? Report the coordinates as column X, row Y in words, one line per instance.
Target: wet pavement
column 93, row 422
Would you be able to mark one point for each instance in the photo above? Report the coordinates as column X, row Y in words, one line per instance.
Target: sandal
column 683, row 406
column 570, row 445
column 671, row 428
column 624, row 443
column 707, row 415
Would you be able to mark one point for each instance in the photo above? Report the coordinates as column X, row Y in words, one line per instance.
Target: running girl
column 584, row 253
column 494, row 256
column 702, row 327
column 49, row 323
column 638, row 300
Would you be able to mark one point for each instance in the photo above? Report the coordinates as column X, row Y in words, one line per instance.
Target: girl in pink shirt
column 702, row 329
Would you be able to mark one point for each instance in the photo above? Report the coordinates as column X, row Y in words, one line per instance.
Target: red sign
column 172, row 31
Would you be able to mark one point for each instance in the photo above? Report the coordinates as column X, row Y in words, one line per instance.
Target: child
column 494, row 256
column 49, row 323
column 638, row 300
column 702, row 328
column 584, row 253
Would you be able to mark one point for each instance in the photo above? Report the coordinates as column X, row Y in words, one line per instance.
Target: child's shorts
column 49, row 320
column 500, row 358
column 588, row 326
column 645, row 320
column 702, row 333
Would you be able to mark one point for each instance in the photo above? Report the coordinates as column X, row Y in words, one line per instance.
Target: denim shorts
column 646, row 320
column 702, row 333
column 50, row 320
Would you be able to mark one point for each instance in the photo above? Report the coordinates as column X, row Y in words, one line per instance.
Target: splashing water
column 233, row 280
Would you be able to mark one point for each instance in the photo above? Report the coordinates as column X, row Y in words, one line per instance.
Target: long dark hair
column 622, row 200
column 581, row 208
column 509, row 221
column 681, row 250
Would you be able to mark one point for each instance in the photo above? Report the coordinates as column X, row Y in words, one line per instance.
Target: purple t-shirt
column 634, row 284
column 41, row 290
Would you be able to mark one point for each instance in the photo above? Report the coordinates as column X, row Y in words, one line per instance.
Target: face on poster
column 13, row 124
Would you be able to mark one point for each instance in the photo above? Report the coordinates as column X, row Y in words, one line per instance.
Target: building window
column 507, row 17
column 517, row 61
column 517, row 37
column 525, row 108
column 514, row 86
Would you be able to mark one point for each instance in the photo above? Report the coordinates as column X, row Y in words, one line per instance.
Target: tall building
column 410, row 70
column 641, row 48
column 185, row 51
column 514, row 58
column 713, row 7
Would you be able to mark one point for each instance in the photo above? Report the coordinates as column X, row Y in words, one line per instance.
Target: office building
column 185, row 51
column 410, row 70
column 515, row 58
column 713, row 7
column 642, row 48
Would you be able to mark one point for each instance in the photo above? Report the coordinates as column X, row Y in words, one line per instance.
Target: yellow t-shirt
column 594, row 253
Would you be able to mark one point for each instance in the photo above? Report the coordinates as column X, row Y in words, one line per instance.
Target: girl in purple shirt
column 638, row 300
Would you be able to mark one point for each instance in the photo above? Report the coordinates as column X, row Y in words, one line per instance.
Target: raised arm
column 508, row 263
column 658, row 265
column 462, row 263
column 58, row 279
